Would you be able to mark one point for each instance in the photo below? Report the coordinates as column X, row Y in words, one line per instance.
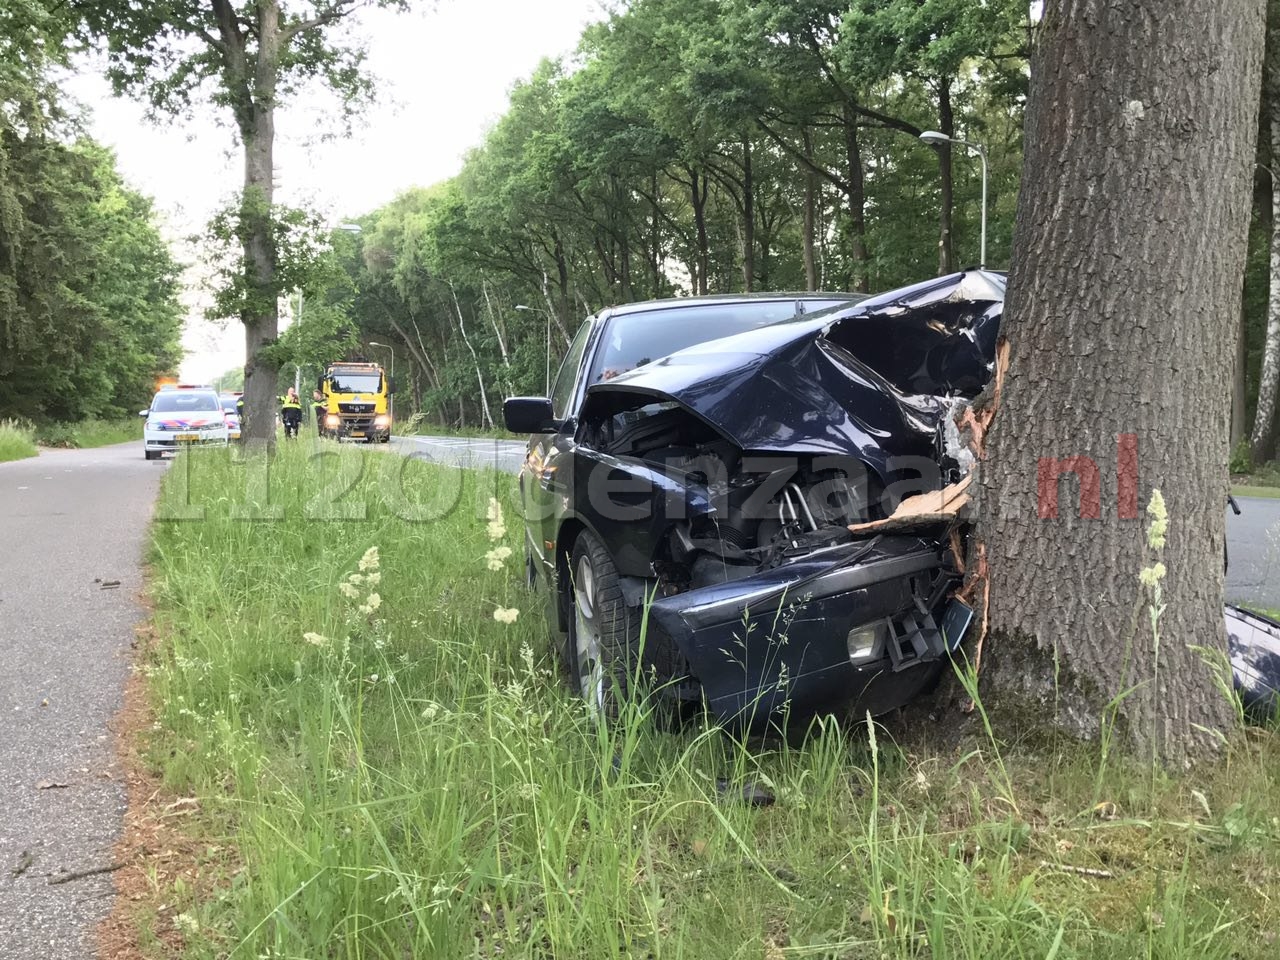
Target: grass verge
column 17, row 441
column 1246, row 490
column 89, row 433
column 400, row 774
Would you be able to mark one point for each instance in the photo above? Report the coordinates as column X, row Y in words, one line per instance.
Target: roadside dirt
column 155, row 850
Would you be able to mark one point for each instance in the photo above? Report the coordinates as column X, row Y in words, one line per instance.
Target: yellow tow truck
column 356, row 402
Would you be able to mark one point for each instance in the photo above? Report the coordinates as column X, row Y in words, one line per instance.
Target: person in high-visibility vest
column 291, row 413
column 318, row 408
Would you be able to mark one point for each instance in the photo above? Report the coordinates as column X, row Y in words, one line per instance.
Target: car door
column 546, row 470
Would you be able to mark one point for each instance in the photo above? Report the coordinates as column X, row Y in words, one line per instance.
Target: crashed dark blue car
column 690, row 485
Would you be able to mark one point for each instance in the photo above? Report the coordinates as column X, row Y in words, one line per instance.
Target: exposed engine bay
column 830, row 426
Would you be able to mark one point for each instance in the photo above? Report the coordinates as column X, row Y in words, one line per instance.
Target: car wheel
column 150, row 454
column 601, row 631
column 605, row 655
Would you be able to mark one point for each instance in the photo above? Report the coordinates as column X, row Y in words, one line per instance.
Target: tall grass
column 89, row 433
column 17, row 441
column 407, row 776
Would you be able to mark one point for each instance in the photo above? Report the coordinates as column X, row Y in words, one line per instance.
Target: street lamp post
column 934, row 138
column 521, row 306
column 391, row 400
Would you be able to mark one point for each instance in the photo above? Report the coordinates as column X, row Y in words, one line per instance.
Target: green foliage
column 1241, row 458
column 677, row 152
column 89, row 433
column 17, row 440
column 89, row 313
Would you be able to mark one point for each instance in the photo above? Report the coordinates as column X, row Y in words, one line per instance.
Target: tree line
column 89, row 292
column 713, row 146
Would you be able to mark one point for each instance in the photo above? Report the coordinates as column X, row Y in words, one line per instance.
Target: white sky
column 445, row 74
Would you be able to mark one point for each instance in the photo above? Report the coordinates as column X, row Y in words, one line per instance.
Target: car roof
column 714, row 300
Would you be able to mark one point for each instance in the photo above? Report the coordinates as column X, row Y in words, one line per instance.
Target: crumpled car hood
column 866, row 380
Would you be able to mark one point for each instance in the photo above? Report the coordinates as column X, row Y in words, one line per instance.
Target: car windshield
column 635, row 339
column 179, row 401
column 355, row 383
column 229, row 403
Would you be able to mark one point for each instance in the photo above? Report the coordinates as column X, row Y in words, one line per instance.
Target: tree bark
column 946, row 126
column 748, row 219
column 1127, row 266
column 1262, row 437
column 810, row 191
column 857, row 202
column 698, row 198
column 1239, row 388
column 252, row 85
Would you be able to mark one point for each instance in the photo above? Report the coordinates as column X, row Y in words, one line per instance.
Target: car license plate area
column 357, row 433
column 187, row 437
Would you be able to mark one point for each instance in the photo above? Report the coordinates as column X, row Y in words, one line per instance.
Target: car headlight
column 381, row 420
column 867, row 642
column 332, row 421
column 154, row 425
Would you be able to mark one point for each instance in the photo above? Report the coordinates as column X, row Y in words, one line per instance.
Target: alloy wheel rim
column 586, row 635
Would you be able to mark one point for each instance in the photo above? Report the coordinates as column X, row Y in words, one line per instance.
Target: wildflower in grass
column 373, row 579
column 430, row 711
column 348, row 591
column 1151, row 576
column 506, row 614
column 495, row 557
column 371, row 605
column 187, row 924
column 370, row 560
column 497, row 528
column 316, row 639
column 1159, row 515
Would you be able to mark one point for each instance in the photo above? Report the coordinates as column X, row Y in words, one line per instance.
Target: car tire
column 604, row 648
column 150, row 454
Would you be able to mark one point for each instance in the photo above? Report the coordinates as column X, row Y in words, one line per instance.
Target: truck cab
column 356, row 402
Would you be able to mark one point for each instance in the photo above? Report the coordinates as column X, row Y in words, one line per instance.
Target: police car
column 231, row 410
column 183, row 415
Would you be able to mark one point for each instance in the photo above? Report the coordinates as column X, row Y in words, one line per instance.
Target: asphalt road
column 1253, row 538
column 73, row 523
column 504, row 455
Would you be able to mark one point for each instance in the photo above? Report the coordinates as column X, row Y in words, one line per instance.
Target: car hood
column 869, row 379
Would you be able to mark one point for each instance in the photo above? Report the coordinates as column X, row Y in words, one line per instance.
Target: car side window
column 567, row 378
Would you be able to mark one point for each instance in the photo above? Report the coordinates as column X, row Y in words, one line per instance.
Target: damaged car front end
column 712, row 523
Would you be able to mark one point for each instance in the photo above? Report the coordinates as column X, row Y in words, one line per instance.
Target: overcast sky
column 444, row 73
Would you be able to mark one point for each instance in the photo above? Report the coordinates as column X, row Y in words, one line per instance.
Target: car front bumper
column 781, row 642
column 171, row 444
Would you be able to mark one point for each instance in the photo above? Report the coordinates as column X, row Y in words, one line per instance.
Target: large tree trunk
column 262, row 319
column 748, row 219
column 947, row 126
column 1127, row 264
column 857, row 202
column 698, row 188
column 1261, row 439
column 810, row 216
column 1239, row 387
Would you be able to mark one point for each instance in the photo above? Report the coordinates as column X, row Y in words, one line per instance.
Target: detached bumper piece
column 866, row 627
column 1253, row 642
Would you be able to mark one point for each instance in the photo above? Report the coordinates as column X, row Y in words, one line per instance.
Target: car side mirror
column 528, row 415
column 320, row 383
column 391, row 385
column 143, row 413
